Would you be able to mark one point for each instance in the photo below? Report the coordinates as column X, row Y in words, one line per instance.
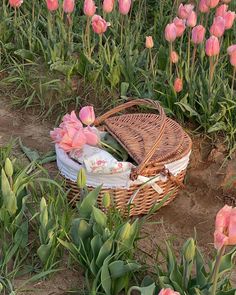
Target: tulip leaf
column 100, row 217
column 149, row 290
column 80, row 230
column 105, row 250
column 105, row 276
column 86, row 206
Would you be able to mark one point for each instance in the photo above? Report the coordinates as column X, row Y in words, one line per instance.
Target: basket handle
column 139, row 102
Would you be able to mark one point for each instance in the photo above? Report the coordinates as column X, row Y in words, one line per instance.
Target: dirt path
column 196, row 206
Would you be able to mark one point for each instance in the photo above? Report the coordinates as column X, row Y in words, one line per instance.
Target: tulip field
column 63, row 63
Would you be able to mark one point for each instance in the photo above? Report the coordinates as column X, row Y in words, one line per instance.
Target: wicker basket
column 153, row 141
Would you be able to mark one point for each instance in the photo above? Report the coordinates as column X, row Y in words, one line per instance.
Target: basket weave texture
column 152, row 140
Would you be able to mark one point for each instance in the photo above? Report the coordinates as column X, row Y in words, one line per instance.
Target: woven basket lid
column 137, row 133
column 150, row 139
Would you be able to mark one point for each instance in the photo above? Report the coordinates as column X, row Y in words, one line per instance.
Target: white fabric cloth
column 70, row 169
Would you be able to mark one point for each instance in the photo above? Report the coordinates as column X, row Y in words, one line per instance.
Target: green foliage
column 189, row 273
column 103, row 246
column 13, row 221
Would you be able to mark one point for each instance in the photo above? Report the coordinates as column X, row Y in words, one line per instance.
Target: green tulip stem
column 216, row 270
column 233, row 80
column 193, row 59
column 171, row 48
column 189, row 47
column 103, row 144
column 87, row 35
column 151, row 62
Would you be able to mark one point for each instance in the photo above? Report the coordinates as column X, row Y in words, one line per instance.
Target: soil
column 208, row 186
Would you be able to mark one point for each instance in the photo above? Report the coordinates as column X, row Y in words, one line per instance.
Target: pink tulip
column 218, row 27
column 87, row 115
column 52, row 5
column 225, row 227
column 178, row 85
column 68, row 6
column 212, row 3
column 71, row 120
column 170, row 32
column 221, row 10
column 91, row 137
column 212, row 46
column 99, row 24
column 192, row 19
column 203, row 7
column 124, row 6
column 57, row 134
column 15, row 3
column 174, row 57
column 89, row 8
column 198, row 34
column 108, row 6
column 184, row 10
column 180, row 26
column 168, row 291
column 149, row 42
column 229, row 18
column 72, row 139
column 232, row 54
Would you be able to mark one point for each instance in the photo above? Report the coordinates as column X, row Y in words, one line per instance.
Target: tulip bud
column 106, row 200
column 212, row 46
column 203, row 7
column 232, row 54
column 15, row 3
column 86, row 114
column 221, row 10
column 229, row 18
column 149, row 42
column 178, row 85
column 52, row 5
column 218, row 27
column 108, row 6
column 124, row 6
column 170, row 32
column 8, row 167
column 81, row 179
column 198, row 34
column 1, row 287
column 212, row 3
column 43, row 213
column 68, row 6
column 184, row 10
column 192, row 19
column 174, row 57
column 125, row 232
column 189, row 250
column 180, row 26
column 89, row 8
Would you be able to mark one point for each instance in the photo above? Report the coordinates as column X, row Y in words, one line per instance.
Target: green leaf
column 30, row 154
column 104, row 252
column 25, row 54
column 100, row 217
column 86, row 206
column 44, row 252
column 124, row 86
column 80, row 230
column 149, row 290
column 119, row 268
column 105, row 277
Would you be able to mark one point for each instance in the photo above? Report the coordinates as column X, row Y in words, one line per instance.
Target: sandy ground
column 195, row 207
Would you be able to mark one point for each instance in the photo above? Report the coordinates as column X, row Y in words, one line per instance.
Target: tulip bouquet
column 73, row 136
column 192, row 275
